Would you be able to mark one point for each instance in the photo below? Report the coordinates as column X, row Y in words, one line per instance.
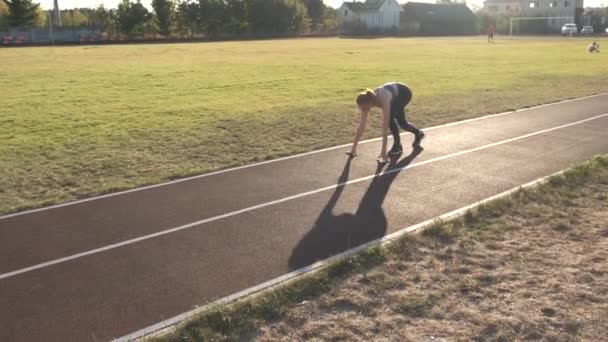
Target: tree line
column 189, row 18
column 180, row 18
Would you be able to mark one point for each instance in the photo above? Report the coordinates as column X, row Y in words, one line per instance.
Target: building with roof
column 371, row 14
column 539, row 8
column 420, row 18
column 497, row 7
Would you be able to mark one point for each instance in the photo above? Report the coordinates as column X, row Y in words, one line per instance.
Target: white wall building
column 535, row 8
column 572, row 9
column 375, row 14
column 502, row 6
column 551, row 8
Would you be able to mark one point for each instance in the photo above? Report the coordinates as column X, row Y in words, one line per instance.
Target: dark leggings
column 404, row 96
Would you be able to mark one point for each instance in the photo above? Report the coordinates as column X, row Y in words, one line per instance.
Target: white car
column 587, row 30
column 569, row 29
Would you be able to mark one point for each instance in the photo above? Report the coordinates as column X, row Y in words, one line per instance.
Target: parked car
column 569, row 29
column 587, row 30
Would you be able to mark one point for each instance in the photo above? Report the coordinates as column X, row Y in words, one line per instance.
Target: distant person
column 490, row 31
column 392, row 99
column 594, row 47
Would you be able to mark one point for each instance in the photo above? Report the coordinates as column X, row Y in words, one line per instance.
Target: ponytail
column 366, row 97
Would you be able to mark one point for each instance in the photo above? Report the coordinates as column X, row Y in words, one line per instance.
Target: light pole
column 57, row 12
column 51, row 27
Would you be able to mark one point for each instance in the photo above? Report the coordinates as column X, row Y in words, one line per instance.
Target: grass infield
column 81, row 121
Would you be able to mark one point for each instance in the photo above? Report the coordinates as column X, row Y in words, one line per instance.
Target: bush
column 353, row 27
column 358, row 28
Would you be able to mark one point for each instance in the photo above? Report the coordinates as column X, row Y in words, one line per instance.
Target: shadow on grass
column 333, row 234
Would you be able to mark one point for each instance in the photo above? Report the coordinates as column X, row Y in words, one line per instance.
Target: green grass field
column 79, row 121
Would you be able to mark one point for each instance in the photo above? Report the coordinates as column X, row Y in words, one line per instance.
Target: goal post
column 519, row 19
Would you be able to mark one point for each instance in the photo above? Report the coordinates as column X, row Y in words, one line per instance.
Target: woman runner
column 392, row 99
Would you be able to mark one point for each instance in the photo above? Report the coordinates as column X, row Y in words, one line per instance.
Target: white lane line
column 268, row 285
column 281, row 200
column 282, row 159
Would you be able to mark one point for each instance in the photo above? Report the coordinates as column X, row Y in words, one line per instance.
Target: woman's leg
column 396, row 137
column 406, row 96
column 406, row 126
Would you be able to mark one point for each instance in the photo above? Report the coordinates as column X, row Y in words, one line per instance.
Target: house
column 555, row 8
column 551, row 8
column 497, row 7
column 421, row 18
column 572, row 9
column 380, row 15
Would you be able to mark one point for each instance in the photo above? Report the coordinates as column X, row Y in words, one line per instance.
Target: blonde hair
column 366, row 97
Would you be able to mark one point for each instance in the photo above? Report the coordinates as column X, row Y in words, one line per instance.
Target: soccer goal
column 538, row 24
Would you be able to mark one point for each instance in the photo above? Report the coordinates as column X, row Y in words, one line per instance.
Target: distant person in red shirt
column 491, row 30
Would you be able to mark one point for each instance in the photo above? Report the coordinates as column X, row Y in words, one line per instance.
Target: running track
column 103, row 268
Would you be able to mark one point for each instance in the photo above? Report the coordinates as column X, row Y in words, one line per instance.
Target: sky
column 67, row 4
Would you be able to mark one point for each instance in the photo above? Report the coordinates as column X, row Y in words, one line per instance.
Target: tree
column 21, row 12
column 102, row 19
column 329, row 20
column 315, row 10
column 42, row 18
column 595, row 18
column 3, row 15
column 131, row 17
column 213, row 16
column 236, row 12
column 73, row 17
column 165, row 15
column 188, row 18
column 150, row 27
column 276, row 16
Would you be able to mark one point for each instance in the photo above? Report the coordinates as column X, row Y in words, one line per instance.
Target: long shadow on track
column 333, row 234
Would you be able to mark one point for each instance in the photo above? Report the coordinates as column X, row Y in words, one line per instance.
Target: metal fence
column 90, row 35
column 48, row 35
